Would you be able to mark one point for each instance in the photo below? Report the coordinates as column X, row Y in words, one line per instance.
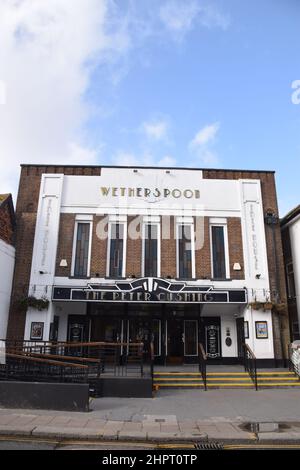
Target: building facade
column 7, row 258
column 174, row 255
column 290, row 227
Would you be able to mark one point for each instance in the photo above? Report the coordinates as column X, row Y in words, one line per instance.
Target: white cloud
column 205, row 135
column 201, row 144
column 167, row 161
column 181, row 17
column 156, row 130
column 47, row 53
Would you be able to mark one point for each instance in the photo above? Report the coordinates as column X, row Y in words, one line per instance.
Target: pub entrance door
column 175, row 343
column 182, row 340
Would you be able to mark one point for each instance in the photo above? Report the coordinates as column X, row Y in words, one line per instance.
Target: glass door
column 190, row 337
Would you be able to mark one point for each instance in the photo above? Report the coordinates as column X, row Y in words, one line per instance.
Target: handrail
column 250, row 364
column 67, row 344
column 294, row 358
column 116, row 358
column 66, row 358
column 151, row 346
column 202, row 363
column 47, row 361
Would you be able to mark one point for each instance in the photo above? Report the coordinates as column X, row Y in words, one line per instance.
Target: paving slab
column 268, row 427
column 175, row 437
column 42, row 420
column 16, row 430
column 6, row 419
column 60, row 420
column 77, row 423
column 67, row 432
column 278, row 436
column 132, row 436
column 21, row 420
column 129, row 426
column 96, row 423
column 113, row 426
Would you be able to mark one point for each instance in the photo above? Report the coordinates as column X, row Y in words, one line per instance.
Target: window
column 219, row 248
column 82, row 249
column 150, row 250
column 290, row 280
column 185, row 261
column 116, row 250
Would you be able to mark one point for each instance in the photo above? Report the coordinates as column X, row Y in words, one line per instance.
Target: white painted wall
column 263, row 348
column 44, row 250
column 294, row 229
column 7, row 263
column 218, row 198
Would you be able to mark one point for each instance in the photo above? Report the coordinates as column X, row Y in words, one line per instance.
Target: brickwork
column 99, row 252
column 275, row 263
column 168, row 250
column 27, row 204
column 6, row 224
column 203, row 255
column 235, row 245
column 65, row 244
column 26, row 208
column 134, row 251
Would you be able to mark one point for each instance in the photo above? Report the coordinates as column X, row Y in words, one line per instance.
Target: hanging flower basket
column 268, row 306
column 33, row 302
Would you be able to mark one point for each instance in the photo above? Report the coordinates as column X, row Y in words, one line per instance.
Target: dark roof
column 6, row 199
column 147, row 167
column 290, row 215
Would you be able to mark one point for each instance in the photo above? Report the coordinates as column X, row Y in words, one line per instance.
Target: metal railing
column 105, row 358
column 294, row 359
column 250, row 364
column 202, row 357
column 21, row 367
column 151, row 346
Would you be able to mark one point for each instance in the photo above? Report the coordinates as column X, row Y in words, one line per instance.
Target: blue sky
column 168, row 82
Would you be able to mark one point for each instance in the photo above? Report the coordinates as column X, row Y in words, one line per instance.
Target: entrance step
column 225, row 380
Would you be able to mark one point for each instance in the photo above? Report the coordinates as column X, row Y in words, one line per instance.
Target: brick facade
column 26, row 218
column 65, row 244
column 7, row 219
column 274, row 251
column 26, row 210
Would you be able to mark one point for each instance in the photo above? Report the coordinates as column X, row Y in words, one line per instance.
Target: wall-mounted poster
column 246, row 329
column 36, row 330
column 261, row 328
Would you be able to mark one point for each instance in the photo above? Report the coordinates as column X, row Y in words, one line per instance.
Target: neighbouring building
column 178, row 255
column 7, row 258
column 290, row 227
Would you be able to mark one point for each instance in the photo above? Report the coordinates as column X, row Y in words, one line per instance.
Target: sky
column 200, row 83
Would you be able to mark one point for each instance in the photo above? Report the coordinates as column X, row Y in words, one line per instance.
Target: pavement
column 225, row 416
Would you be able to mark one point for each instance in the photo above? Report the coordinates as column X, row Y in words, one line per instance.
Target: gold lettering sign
column 166, row 193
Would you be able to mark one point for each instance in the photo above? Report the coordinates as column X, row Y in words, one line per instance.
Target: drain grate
column 208, row 446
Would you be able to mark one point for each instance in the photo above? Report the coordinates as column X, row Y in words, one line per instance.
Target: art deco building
column 176, row 255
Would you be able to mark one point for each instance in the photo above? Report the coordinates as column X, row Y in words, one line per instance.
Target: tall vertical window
column 81, row 265
column 218, row 252
column 150, row 250
column 116, row 250
column 290, row 280
column 185, row 268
